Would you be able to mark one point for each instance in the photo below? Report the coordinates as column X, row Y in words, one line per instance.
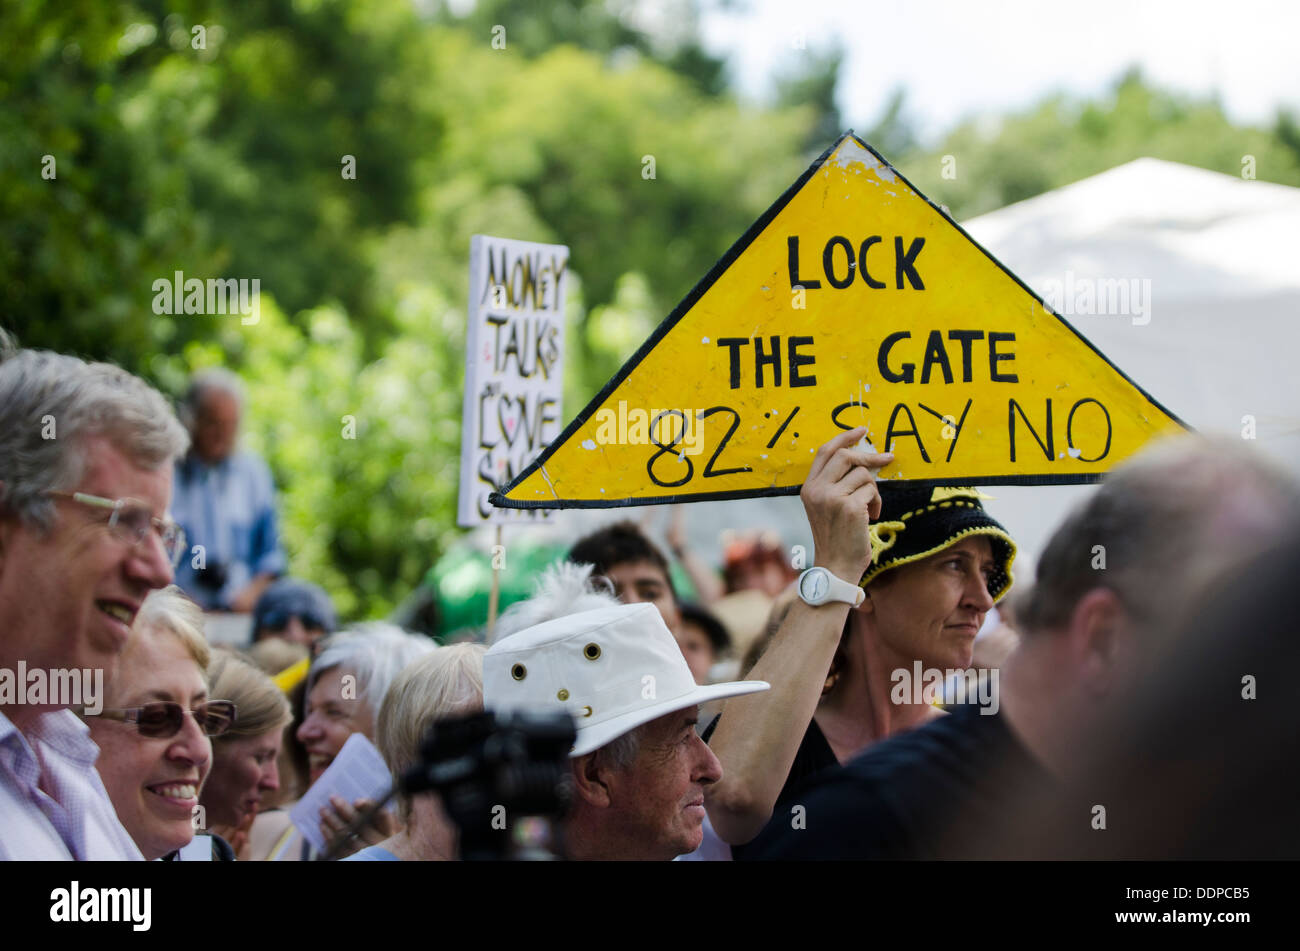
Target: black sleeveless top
column 813, row 756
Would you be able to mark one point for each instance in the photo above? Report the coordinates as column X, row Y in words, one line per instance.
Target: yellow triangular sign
column 852, row 301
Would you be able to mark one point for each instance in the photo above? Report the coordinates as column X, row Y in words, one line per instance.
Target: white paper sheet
column 358, row 772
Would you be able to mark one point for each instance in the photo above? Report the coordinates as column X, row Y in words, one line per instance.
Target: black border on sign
column 499, row 499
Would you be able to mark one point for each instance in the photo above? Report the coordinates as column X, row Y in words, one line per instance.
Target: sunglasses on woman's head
column 162, row 719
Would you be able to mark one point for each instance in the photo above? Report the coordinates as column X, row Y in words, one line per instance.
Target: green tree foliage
column 892, row 133
column 205, row 138
column 622, row 30
column 209, row 137
column 810, row 82
column 96, row 201
column 633, row 168
column 218, row 152
column 1061, row 140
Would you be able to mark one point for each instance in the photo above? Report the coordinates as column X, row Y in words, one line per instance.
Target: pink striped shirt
column 53, row 804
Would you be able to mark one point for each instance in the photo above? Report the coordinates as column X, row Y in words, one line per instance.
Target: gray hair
column 50, row 404
column 374, row 652
column 621, row 751
column 213, row 379
column 1165, row 523
column 562, row 589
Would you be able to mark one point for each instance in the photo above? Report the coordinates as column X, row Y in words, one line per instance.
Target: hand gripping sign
column 852, row 301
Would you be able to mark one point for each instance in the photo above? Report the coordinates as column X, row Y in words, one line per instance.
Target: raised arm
column 759, row 735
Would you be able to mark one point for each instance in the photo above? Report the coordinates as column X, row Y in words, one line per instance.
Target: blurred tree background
column 210, row 138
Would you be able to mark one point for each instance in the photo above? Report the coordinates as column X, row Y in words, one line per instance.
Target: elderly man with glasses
column 86, row 455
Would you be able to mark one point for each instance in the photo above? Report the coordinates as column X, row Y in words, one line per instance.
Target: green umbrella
column 462, row 582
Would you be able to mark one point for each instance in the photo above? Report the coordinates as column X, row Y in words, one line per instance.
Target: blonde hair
column 260, row 706
column 446, row 682
column 273, row 655
column 169, row 609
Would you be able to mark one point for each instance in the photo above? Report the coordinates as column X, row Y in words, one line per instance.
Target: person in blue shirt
column 225, row 501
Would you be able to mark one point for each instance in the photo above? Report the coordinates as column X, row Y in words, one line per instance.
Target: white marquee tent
column 1218, row 341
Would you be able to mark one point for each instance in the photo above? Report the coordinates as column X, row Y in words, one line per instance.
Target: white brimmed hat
column 613, row 669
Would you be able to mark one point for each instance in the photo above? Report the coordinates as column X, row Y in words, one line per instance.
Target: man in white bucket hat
column 639, row 767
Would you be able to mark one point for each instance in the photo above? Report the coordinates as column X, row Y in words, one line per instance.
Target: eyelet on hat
column 569, row 658
column 519, row 671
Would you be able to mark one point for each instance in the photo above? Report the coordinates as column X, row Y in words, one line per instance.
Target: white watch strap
column 841, row 590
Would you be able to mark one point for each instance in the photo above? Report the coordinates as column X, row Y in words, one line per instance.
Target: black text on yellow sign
column 852, row 302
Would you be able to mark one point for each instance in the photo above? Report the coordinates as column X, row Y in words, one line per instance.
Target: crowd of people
column 1128, row 701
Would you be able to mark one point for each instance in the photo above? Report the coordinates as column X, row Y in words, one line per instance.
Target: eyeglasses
column 132, row 520
column 163, row 719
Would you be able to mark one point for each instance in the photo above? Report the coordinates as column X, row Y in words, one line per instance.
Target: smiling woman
column 345, row 687
column 153, row 733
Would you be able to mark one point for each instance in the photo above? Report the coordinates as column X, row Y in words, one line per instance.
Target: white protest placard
column 514, row 370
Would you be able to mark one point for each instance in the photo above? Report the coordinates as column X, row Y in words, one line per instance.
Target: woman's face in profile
column 334, row 712
column 244, row 771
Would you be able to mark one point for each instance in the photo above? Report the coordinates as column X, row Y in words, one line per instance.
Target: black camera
column 213, row 575
column 492, row 770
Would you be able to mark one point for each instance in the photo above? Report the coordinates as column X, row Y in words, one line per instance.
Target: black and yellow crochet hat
column 918, row 521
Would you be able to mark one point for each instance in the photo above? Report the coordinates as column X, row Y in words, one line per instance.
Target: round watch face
column 814, row 586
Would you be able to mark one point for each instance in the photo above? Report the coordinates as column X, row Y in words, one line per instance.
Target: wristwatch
column 817, row 586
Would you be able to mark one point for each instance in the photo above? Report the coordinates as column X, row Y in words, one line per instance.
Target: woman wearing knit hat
column 901, row 574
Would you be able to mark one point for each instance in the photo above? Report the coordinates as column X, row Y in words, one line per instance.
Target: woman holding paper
column 345, row 686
